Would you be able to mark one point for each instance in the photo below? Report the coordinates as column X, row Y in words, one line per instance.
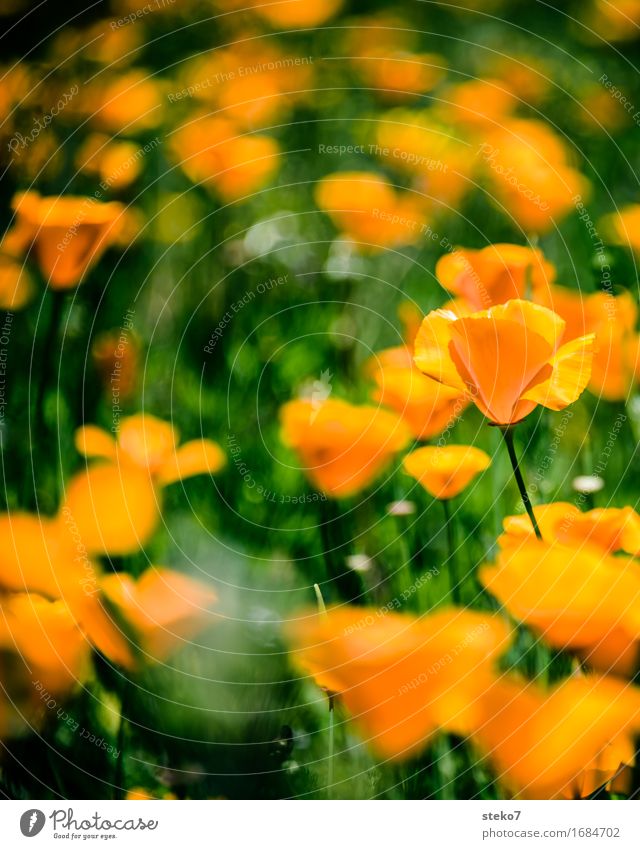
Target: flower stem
column 119, row 790
column 454, row 583
column 49, row 352
column 331, row 747
column 507, row 432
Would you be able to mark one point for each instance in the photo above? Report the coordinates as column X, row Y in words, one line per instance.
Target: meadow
column 319, row 409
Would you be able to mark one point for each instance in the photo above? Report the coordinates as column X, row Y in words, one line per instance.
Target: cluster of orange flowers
column 404, row 678
column 59, row 603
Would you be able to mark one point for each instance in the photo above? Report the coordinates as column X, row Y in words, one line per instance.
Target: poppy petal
column 200, row 456
column 571, row 370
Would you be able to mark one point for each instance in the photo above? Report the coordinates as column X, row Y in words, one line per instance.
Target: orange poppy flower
column 529, row 173
column 16, row 286
column 117, row 164
column 132, row 620
column 68, row 234
column 540, row 744
column 212, row 151
column 426, row 406
column 44, row 556
column 369, row 211
column 622, row 227
column 611, row 529
column 250, row 83
column 525, row 75
column 402, row 679
column 607, row 21
column 445, row 471
column 116, row 504
column 398, row 75
column 129, row 103
column 477, row 102
column 495, row 274
column 343, row 447
column 613, row 318
column 576, row 597
column 431, row 152
column 46, row 637
column 296, row 13
column 508, row 359
column 44, row 655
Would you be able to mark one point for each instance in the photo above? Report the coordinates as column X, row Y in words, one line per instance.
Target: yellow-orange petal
column 540, row 743
column 540, row 319
column 41, row 555
column 400, row 677
column 432, row 355
column 16, row 286
column 499, row 359
column 571, row 370
column 445, row 471
column 46, row 637
column 343, row 447
column 93, row 441
column 114, row 507
column 200, row 456
column 495, row 274
column 132, row 621
column 147, row 441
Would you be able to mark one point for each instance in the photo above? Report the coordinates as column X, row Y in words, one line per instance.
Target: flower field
column 319, row 400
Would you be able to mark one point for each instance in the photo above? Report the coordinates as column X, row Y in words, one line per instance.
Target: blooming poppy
column 214, row 152
column 398, row 75
column 16, row 286
column 131, row 620
column 117, row 164
column 612, row 529
column 130, row 102
column 541, row 743
column 576, row 597
column 369, row 211
column 606, row 21
column 402, row 678
column 445, row 471
column 44, row 654
column 68, row 234
column 495, row 274
column 343, row 447
column 260, row 84
column 529, row 173
column 296, row 13
column 432, row 152
column 116, row 503
column 46, row 637
column 526, row 76
column 508, row 358
column 477, row 102
column 622, row 227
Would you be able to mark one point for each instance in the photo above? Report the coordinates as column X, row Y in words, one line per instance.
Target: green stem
column 454, row 583
column 118, row 779
column 507, row 432
column 48, row 355
column 331, row 747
